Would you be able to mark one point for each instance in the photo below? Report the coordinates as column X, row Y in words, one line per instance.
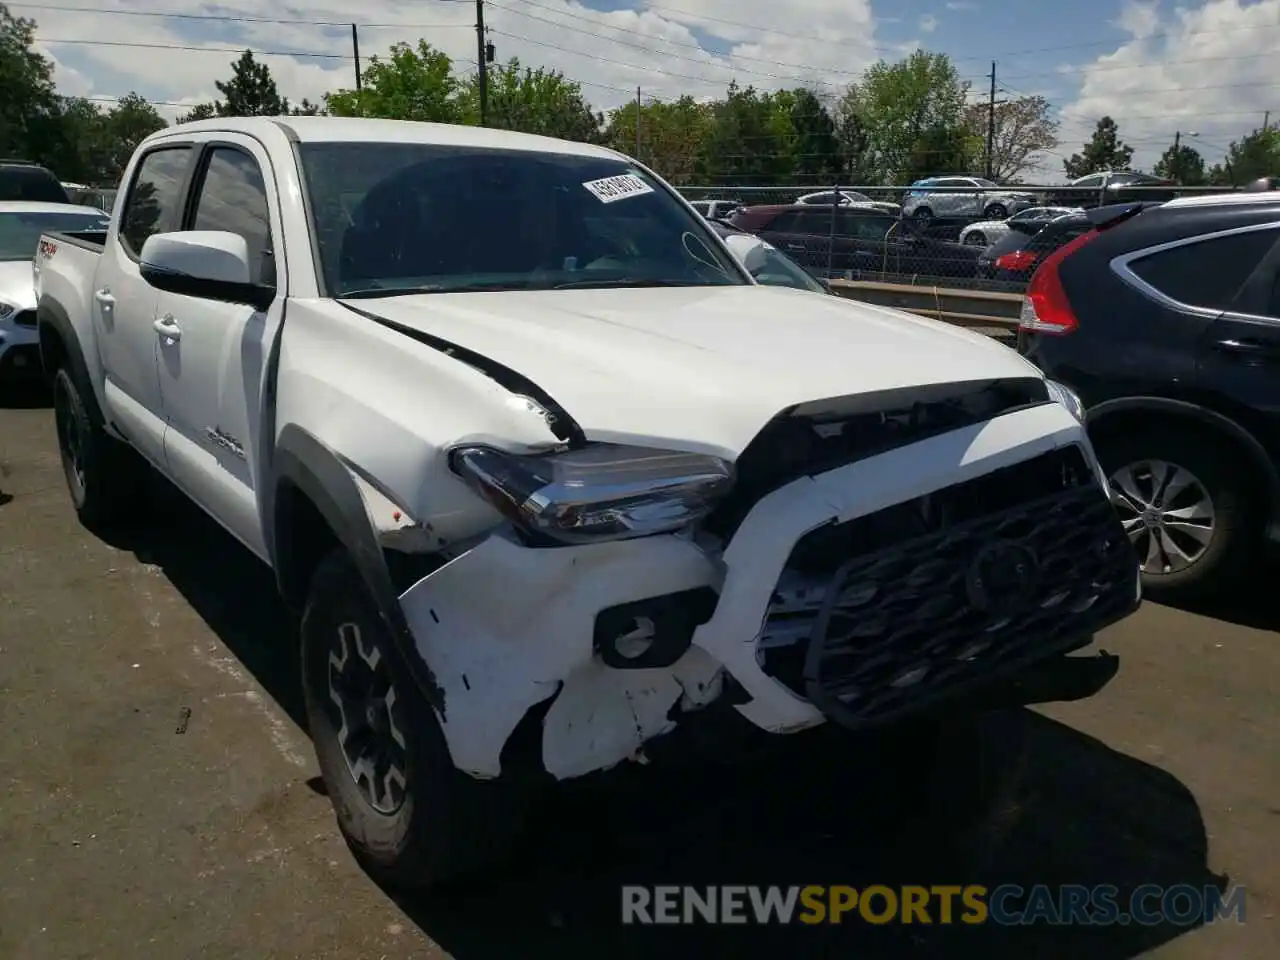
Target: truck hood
column 17, row 285
column 698, row 368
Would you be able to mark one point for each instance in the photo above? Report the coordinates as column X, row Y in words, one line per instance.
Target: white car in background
column 847, row 198
column 21, row 224
column 986, row 232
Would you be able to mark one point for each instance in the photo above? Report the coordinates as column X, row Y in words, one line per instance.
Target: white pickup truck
column 548, row 479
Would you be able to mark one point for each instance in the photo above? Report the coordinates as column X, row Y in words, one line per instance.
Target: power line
column 228, row 18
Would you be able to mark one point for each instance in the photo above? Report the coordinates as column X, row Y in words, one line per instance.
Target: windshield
column 20, row 232
column 394, row 218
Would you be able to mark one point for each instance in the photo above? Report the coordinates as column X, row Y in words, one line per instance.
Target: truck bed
column 92, row 240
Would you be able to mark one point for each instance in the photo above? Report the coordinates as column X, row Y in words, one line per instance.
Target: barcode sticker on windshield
column 618, row 188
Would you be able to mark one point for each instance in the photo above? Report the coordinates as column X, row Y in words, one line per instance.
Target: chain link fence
column 962, row 236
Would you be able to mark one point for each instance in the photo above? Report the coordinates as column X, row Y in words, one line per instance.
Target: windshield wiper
column 628, row 282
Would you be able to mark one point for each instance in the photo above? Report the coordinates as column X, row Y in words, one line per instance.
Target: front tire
column 1188, row 506
column 923, row 213
column 975, row 239
column 102, row 474
column 997, row 211
column 410, row 816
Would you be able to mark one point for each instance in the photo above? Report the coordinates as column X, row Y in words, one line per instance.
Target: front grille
column 890, row 612
column 25, row 318
column 816, row 437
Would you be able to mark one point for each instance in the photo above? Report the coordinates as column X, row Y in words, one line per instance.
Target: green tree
column 742, row 146
column 1254, row 155
column 411, row 83
column 671, row 136
column 29, row 106
column 912, row 115
column 123, row 127
column 201, row 111
column 251, row 91
column 533, row 101
column 1104, row 151
column 1024, row 128
column 816, row 154
column 306, row 109
column 1183, row 164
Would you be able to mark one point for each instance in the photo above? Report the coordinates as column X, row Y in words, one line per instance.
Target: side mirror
column 210, row 264
column 826, row 283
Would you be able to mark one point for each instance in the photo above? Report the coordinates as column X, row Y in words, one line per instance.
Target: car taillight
column 1045, row 308
column 1018, row 260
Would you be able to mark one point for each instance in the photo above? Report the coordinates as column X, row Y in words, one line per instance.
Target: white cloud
column 928, row 23
column 661, row 50
column 1209, row 70
column 961, row 5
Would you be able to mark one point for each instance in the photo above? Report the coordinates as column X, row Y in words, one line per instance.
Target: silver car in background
column 959, row 198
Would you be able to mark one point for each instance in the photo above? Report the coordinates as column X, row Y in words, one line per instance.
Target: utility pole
column 1266, row 121
column 1177, row 147
column 991, row 121
column 637, row 123
column 355, row 49
column 481, row 60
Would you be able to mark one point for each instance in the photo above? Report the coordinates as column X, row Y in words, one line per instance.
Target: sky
column 1158, row 67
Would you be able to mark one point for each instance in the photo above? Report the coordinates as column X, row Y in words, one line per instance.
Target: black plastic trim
column 304, row 462
column 562, row 425
column 1212, row 418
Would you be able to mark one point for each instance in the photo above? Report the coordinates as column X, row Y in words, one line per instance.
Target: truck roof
column 357, row 129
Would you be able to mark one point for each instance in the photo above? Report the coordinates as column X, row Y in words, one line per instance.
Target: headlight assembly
column 1064, row 395
column 7, row 310
column 599, row 492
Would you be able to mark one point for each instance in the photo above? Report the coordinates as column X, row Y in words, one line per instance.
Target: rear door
column 124, row 305
column 1240, row 357
column 804, row 234
column 1202, row 284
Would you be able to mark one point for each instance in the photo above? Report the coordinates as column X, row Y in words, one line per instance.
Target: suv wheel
column 1186, row 508
column 409, row 815
column 102, row 474
column 997, row 211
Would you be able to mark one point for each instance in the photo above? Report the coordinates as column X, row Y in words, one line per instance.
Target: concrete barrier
column 992, row 312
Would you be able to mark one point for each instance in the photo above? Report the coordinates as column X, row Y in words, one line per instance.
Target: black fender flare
column 1210, row 418
column 51, row 315
column 303, row 461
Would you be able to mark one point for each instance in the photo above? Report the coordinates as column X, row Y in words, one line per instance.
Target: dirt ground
column 158, row 796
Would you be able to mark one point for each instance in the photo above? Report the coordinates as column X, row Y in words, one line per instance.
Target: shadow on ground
column 25, row 395
column 1251, row 603
column 1071, row 811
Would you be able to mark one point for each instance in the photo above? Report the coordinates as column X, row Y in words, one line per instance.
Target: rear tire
column 922, row 213
column 975, row 239
column 997, row 211
column 1161, row 476
column 409, row 815
column 102, row 473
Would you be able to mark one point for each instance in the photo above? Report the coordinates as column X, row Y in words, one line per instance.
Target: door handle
column 104, row 298
column 795, row 246
column 1250, row 347
column 167, row 327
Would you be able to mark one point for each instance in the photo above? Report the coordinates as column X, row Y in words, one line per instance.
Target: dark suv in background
column 22, row 180
column 1166, row 320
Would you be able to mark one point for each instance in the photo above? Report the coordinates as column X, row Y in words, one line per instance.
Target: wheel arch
column 1111, row 414
column 314, row 504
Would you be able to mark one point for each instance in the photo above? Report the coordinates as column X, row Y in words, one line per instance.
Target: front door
column 214, row 369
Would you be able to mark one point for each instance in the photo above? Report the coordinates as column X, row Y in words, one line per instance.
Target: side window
column 862, row 226
column 815, row 221
column 233, row 198
column 782, row 222
column 154, row 203
column 1208, row 273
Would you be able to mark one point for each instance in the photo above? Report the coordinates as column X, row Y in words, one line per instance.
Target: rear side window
column 1207, row 273
column 155, row 200
column 861, row 226
column 233, row 198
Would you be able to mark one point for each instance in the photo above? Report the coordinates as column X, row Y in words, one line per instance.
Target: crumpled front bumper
column 505, row 627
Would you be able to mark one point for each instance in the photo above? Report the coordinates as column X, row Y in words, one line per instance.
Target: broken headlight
column 598, row 492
